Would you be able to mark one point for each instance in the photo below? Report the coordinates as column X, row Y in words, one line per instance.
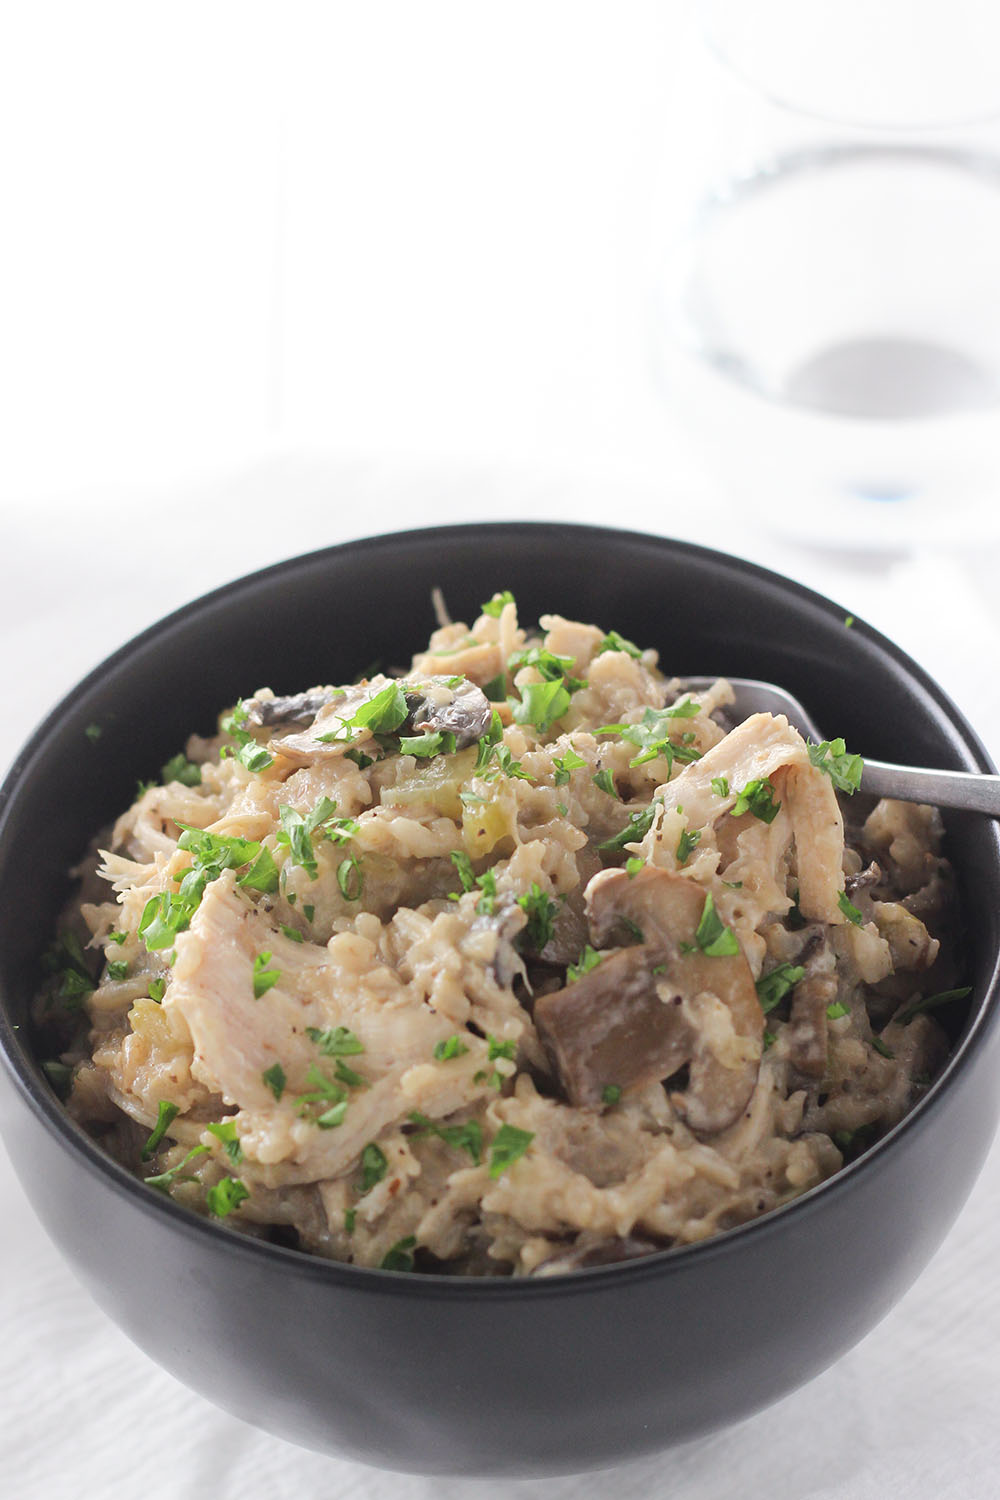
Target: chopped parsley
column 836, row 1009
column 423, row 746
column 615, row 642
column 93, row 733
column 262, row 874
column 687, row 842
column 467, row 1137
column 165, row 1113
column 157, row 988
column 374, row 1165
column 844, row 770
column 497, row 1048
column 757, row 797
column 225, row 1132
column 611, row 1093
column 225, row 1196
column 117, row 969
column 65, row 958
column 336, row 1041
column 275, row 1078
column 399, row 1257
column 116, row 937
column 495, row 691
column 297, row 832
column 452, row 1046
column 494, row 607
column 712, row 936
column 931, row 1002
column 720, row 786
column 291, row 933
column 487, row 883
column 651, row 736
column 881, row 1047
column 850, row 911
column 633, row 865
column 263, row 977
column 606, row 782
column 509, row 1145
column 775, row 985
column 541, row 704
column 466, row 874
column 566, row 763
column 350, row 878
column 350, row 1219
column 589, row 959
column 553, row 668
column 164, row 1181
column 638, row 825
column 489, row 742
column 179, row 768
column 382, row 713
column 541, row 912
column 59, row 1074
column 251, row 755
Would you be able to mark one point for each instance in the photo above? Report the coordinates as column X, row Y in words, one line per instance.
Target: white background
column 273, row 276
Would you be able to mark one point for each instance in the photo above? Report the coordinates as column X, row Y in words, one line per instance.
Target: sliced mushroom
column 589, row 1251
column 307, row 746
column 610, row 1029
column 505, row 921
column 806, row 1034
column 265, row 710
column 441, row 704
column 644, row 1012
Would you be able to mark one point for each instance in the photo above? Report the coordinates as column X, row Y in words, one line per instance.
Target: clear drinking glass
column 828, row 316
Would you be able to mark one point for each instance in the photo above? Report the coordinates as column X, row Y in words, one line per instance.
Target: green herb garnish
column 165, row 1113
column 399, row 1257
column 509, row 1145
column 179, row 768
column 589, row 959
column 611, row 1093
column 452, row 1046
column 467, row 1137
column 221, row 1199
column 274, row 1077
column 635, row 830
column 263, row 977
column 564, row 764
column 850, row 911
column 541, row 912
column 225, row 1131
column 374, row 1165
column 541, row 704
column 775, row 985
column 336, row 1041
column 350, row 878
column 931, row 1002
column 757, row 797
column 832, row 758
column 606, row 782
column 712, row 936
column 615, row 642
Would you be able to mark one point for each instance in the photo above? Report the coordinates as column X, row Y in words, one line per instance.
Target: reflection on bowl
column 458, row 1375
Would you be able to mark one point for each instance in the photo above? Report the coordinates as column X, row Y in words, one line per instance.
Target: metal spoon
column 971, row 790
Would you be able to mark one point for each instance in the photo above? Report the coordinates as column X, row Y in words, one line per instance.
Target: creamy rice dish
column 522, row 961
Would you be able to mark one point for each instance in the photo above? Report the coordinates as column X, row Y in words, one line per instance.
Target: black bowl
column 455, row 1375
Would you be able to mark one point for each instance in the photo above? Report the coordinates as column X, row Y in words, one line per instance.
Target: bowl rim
column 34, row 1091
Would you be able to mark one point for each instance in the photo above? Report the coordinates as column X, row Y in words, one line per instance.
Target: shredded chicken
column 520, row 962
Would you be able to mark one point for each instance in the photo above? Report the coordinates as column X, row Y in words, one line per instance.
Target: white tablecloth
column 911, row 1412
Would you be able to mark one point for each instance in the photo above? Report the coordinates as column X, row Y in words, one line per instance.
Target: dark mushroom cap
column 645, row 1011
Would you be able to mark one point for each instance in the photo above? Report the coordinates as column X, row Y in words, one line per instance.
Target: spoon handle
column 969, row 790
